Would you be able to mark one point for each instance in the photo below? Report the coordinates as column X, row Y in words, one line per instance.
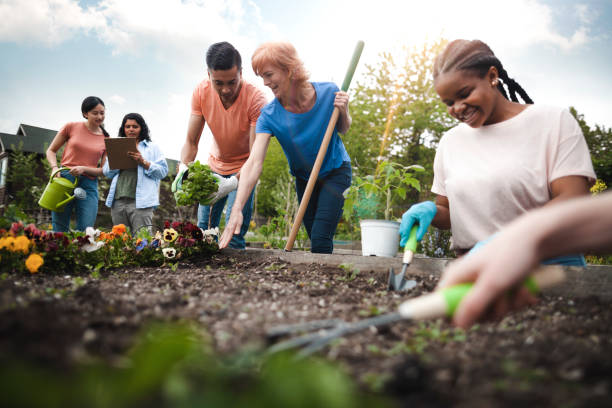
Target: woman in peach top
column 84, row 154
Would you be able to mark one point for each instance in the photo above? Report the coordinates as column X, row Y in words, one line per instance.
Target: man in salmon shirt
column 231, row 107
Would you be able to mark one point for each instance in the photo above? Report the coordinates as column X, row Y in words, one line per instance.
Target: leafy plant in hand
column 198, row 186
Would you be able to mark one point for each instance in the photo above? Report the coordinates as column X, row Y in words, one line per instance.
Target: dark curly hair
column 144, row 129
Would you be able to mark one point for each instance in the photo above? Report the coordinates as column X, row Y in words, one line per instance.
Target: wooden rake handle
column 314, row 174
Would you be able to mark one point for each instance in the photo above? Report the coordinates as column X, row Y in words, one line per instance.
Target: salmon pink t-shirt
column 493, row 174
column 230, row 127
column 83, row 147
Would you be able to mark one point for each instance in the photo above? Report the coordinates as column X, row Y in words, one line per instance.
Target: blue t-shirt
column 300, row 134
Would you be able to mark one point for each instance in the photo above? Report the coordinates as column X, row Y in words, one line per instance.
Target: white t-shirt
column 493, row 174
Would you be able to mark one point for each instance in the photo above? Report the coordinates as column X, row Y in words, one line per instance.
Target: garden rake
column 437, row 304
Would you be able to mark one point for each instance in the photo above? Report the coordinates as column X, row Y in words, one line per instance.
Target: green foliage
column 198, row 186
column 23, row 182
column 389, row 184
column 13, row 213
column 599, row 141
column 275, row 180
column 175, row 366
column 436, row 243
column 397, row 116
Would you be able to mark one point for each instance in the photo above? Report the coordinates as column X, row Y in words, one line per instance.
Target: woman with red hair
column 298, row 118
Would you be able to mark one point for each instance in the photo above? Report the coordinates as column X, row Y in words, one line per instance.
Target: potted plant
column 371, row 197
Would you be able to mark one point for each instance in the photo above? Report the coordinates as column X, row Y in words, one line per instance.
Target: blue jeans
column 237, row 241
column 86, row 209
column 325, row 207
column 567, row 260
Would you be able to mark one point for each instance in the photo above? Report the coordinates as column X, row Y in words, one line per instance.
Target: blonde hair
column 281, row 54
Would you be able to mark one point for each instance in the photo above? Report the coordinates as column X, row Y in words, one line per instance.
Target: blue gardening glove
column 480, row 244
column 177, row 184
column 224, row 187
column 422, row 214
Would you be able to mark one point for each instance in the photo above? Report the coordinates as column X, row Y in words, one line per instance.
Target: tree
column 397, row 115
column 599, row 140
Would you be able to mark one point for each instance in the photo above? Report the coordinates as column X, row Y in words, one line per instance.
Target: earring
column 494, row 83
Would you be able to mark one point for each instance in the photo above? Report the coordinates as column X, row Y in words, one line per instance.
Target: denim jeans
column 238, row 241
column 325, row 207
column 86, row 209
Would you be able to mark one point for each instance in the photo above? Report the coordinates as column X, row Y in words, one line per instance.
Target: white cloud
column 173, row 30
column 47, row 22
column 118, row 99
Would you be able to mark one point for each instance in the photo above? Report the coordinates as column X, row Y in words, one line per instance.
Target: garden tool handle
column 314, row 173
column 444, row 302
column 411, row 244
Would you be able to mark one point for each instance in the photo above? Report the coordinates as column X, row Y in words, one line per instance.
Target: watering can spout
column 66, row 201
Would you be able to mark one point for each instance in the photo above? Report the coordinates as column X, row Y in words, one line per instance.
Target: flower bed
column 28, row 249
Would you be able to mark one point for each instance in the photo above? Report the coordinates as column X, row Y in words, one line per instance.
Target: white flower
column 94, row 246
column 211, row 232
column 92, row 234
column 169, row 252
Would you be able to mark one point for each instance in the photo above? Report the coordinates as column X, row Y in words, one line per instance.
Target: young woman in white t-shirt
column 504, row 159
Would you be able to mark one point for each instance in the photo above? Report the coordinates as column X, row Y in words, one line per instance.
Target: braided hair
column 478, row 57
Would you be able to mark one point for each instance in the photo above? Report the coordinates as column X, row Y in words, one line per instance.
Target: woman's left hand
column 341, row 102
column 78, row 170
column 138, row 158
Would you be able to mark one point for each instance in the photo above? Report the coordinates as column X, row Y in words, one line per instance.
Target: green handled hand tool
column 441, row 303
column 397, row 281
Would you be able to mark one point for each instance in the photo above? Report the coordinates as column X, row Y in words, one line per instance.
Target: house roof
column 31, row 139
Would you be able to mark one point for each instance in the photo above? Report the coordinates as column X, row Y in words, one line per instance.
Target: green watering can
column 58, row 193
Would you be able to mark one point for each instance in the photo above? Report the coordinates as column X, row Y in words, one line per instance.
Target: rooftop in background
column 33, row 139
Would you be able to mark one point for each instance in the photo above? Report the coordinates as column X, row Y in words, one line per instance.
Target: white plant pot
column 379, row 237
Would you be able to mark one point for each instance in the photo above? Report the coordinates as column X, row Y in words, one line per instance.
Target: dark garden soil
column 558, row 353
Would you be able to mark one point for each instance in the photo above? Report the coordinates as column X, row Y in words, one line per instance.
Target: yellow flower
column 8, row 243
column 22, row 244
column 34, row 262
column 598, row 187
column 170, row 234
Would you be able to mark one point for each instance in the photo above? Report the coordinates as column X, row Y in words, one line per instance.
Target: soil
column 558, row 353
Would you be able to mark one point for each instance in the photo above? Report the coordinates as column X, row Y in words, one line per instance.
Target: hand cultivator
column 433, row 305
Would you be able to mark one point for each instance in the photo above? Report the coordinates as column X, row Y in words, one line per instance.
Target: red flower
column 189, row 227
column 197, row 234
column 52, row 246
column 166, row 224
column 16, row 227
column 31, row 231
column 176, row 225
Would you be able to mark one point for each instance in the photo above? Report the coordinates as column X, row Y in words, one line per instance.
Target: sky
column 147, row 56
